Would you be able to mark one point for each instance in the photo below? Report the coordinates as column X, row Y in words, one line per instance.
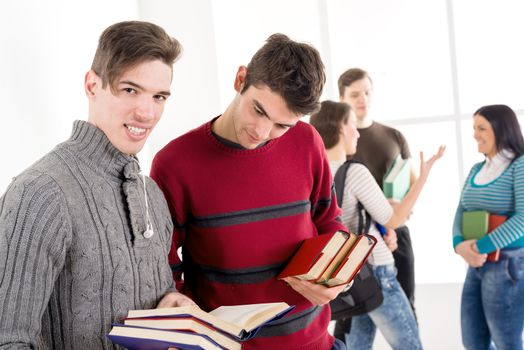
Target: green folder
column 397, row 179
column 475, row 224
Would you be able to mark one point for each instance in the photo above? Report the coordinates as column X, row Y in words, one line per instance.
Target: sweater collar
column 229, row 148
column 502, row 158
column 92, row 146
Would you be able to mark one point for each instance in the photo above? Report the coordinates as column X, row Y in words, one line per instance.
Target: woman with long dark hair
column 492, row 307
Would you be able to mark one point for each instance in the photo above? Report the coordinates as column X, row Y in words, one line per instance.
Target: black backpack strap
column 340, row 181
column 364, row 219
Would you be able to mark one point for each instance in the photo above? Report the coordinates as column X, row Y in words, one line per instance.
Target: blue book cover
column 142, row 338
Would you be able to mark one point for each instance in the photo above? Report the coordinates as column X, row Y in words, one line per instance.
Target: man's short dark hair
column 127, row 44
column 291, row 69
column 328, row 121
column 349, row 77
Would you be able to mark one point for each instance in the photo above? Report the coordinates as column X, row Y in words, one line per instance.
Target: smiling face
column 485, row 136
column 128, row 113
column 256, row 116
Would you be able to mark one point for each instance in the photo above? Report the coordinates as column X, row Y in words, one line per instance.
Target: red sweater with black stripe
column 239, row 216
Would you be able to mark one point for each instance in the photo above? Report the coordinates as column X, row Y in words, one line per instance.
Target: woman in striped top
column 492, row 307
column 336, row 124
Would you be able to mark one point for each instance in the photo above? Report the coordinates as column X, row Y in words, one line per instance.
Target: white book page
column 246, row 316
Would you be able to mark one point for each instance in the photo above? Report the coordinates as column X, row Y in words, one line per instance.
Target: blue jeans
column 492, row 307
column 338, row 345
column 394, row 317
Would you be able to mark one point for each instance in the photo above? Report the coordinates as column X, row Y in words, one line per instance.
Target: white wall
column 432, row 65
column 195, row 89
column 47, row 46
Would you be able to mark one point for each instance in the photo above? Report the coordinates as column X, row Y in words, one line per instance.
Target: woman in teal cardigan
column 492, row 306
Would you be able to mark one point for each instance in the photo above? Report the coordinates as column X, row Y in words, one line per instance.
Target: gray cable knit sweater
column 73, row 258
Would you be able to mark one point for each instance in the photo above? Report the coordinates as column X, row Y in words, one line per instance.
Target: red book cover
column 310, row 253
column 495, row 221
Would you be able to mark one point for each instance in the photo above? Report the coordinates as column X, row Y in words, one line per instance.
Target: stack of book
column 189, row 327
column 476, row 224
column 397, row 179
column 330, row 259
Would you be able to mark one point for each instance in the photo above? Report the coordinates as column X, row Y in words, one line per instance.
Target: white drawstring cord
column 148, row 233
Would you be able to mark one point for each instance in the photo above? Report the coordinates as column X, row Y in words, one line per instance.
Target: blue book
column 140, row 338
column 241, row 322
column 186, row 324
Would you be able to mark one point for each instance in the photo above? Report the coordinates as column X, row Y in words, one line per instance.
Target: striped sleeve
column 363, row 186
column 34, row 237
column 513, row 228
column 457, row 226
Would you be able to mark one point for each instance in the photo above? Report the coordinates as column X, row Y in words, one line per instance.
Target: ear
column 240, row 78
column 91, row 83
column 342, row 129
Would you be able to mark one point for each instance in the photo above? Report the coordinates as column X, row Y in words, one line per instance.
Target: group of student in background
column 85, row 237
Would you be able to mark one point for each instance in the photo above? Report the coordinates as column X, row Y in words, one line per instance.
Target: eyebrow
column 129, row 82
column 259, row 106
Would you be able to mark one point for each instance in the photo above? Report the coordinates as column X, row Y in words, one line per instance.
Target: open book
column 239, row 321
column 186, row 324
column 397, row 179
column 338, row 267
column 137, row 338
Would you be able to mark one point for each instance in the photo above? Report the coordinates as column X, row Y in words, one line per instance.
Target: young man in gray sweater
column 83, row 236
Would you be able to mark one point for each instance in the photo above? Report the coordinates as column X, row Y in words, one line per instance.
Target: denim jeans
column 338, row 345
column 394, row 317
column 405, row 264
column 492, row 307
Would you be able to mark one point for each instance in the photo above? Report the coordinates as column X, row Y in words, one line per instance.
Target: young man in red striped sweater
column 246, row 188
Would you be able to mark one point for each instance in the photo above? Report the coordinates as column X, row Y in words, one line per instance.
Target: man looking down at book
column 379, row 146
column 336, row 124
column 492, row 305
column 83, row 236
column 247, row 187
